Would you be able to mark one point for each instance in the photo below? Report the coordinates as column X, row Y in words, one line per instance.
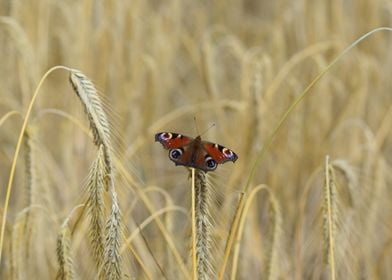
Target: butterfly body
column 194, row 152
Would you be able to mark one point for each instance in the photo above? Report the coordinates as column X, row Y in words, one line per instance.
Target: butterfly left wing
column 210, row 155
column 171, row 140
column 219, row 153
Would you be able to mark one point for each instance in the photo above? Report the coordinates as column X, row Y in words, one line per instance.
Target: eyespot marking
column 210, row 163
column 166, row 136
column 175, row 153
column 227, row 152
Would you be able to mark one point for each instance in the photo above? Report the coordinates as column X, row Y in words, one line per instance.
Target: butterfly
column 194, row 152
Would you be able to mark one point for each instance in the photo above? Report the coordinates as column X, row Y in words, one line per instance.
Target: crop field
column 102, row 172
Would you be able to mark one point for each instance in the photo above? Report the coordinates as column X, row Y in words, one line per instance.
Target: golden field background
column 237, row 64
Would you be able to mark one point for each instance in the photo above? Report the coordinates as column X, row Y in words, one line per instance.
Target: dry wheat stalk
column 274, row 238
column 330, row 216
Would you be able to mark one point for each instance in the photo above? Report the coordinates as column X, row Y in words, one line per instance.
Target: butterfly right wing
column 219, row 153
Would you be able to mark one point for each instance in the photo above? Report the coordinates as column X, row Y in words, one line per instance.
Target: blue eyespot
column 175, row 153
column 211, row 164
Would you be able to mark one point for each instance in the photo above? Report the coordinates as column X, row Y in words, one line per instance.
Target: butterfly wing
column 204, row 161
column 171, row 140
column 179, row 146
column 208, row 155
column 219, row 153
column 184, row 150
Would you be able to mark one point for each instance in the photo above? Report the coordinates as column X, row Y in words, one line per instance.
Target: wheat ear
column 16, row 247
column 31, row 184
column 95, row 205
column 66, row 271
column 111, row 269
column 276, row 238
column 202, row 226
column 22, row 229
column 330, row 216
column 99, row 123
column 348, row 172
column 30, row 167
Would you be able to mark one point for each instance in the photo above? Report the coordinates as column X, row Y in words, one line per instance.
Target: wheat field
column 300, row 90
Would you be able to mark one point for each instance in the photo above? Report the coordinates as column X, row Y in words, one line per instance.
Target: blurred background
column 236, row 64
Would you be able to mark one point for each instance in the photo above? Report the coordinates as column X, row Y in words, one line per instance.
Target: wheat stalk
column 330, row 216
column 193, row 221
column 275, row 237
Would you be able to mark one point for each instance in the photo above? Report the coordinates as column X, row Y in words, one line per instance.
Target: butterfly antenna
column 211, row 126
column 197, row 128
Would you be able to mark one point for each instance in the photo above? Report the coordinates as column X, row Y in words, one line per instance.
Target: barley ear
column 99, row 123
column 330, row 216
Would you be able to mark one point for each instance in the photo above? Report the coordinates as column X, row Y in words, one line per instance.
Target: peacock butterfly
column 194, row 152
